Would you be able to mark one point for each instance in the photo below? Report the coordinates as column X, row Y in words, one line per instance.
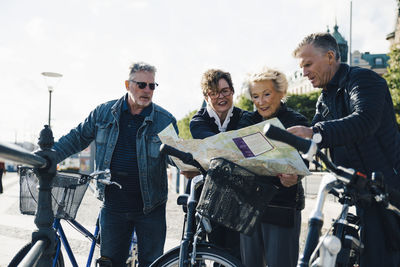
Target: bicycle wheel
column 24, row 250
column 205, row 257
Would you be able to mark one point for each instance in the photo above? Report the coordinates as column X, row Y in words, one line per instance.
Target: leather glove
column 51, row 167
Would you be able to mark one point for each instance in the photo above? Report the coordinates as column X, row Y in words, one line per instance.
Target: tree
column 305, row 103
column 244, row 103
column 393, row 78
column 183, row 125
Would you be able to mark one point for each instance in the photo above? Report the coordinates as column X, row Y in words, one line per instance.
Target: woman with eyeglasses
column 275, row 242
column 219, row 115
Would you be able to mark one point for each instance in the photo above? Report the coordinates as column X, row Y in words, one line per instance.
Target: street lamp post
column 52, row 78
column 50, row 91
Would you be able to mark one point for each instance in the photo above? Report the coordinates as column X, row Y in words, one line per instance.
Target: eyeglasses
column 143, row 85
column 224, row 92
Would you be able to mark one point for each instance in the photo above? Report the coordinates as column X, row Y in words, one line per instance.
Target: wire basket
column 234, row 196
column 67, row 193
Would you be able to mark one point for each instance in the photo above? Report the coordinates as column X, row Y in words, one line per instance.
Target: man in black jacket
column 355, row 118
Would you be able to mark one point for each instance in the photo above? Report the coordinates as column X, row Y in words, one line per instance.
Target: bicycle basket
column 234, row 196
column 67, row 193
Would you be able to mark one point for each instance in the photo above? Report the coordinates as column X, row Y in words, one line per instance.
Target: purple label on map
column 243, row 147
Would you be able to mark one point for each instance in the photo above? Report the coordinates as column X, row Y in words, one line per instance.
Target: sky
column 92, row 43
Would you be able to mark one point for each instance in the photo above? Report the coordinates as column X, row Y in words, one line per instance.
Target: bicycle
column 341, row 245
column 67, row 193
column 222, row 193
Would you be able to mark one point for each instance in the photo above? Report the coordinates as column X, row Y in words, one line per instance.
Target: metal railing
column 44, row 237
column 19, row 155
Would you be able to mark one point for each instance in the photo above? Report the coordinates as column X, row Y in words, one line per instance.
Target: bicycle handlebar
column 276, row 133
column 308, row 149
column 185, row 157
column 95, row 176
column 344, row 175
column 20, row 155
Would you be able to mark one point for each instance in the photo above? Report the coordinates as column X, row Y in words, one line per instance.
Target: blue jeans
column 116, row 231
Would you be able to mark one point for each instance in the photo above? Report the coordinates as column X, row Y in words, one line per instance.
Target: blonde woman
column 275, row 242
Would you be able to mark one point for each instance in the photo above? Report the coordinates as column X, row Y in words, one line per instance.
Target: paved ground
column 15, row 229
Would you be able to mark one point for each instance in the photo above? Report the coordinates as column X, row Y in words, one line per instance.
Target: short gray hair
column 141, row 66
column 323, row 41
column 277, row 77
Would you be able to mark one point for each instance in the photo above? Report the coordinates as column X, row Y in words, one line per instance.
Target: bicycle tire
column 205, row 256
column 24, row 250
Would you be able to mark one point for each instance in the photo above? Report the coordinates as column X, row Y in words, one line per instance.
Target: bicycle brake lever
column 106, row 173
column 109, row 182
column 117, row 184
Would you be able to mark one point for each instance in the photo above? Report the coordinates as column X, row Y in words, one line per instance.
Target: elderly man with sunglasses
column 125, row 133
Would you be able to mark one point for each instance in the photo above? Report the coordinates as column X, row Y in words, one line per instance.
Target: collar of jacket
column 117, row 108
column 340, row 77
column 205, row 113
column 210, row 120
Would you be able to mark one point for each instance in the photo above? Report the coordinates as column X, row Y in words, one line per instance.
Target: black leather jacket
column 357, row 122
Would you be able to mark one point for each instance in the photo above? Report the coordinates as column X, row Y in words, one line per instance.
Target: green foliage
column 393, row 78
column 244, row 103
column 305, row 104
column 183, row 126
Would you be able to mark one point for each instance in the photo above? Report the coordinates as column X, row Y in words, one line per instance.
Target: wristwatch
column 317, row 137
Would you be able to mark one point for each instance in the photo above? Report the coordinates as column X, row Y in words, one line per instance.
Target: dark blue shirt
column 124, row 164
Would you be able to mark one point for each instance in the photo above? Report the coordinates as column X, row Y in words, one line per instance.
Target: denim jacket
column 102, row 126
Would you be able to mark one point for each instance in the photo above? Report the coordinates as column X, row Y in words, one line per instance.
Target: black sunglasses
column 143, row 85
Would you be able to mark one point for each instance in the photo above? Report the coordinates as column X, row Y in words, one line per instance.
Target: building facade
column 375, row 62
column 298, row 84
column 394, row 37
column 342, row 43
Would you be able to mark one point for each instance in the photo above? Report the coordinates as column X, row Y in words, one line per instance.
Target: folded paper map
column 247, row 147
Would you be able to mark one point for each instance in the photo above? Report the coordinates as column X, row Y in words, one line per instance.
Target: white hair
column 277, row 77
column 141, row 66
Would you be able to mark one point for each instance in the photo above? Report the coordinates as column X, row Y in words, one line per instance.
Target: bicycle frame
column 62, row 238
column 329, row 246
column 193, row 248
column 62, row 214
column 47, row 225
column 316, row 220
column 189, row 235
column 93, row 237
column 354, row 183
